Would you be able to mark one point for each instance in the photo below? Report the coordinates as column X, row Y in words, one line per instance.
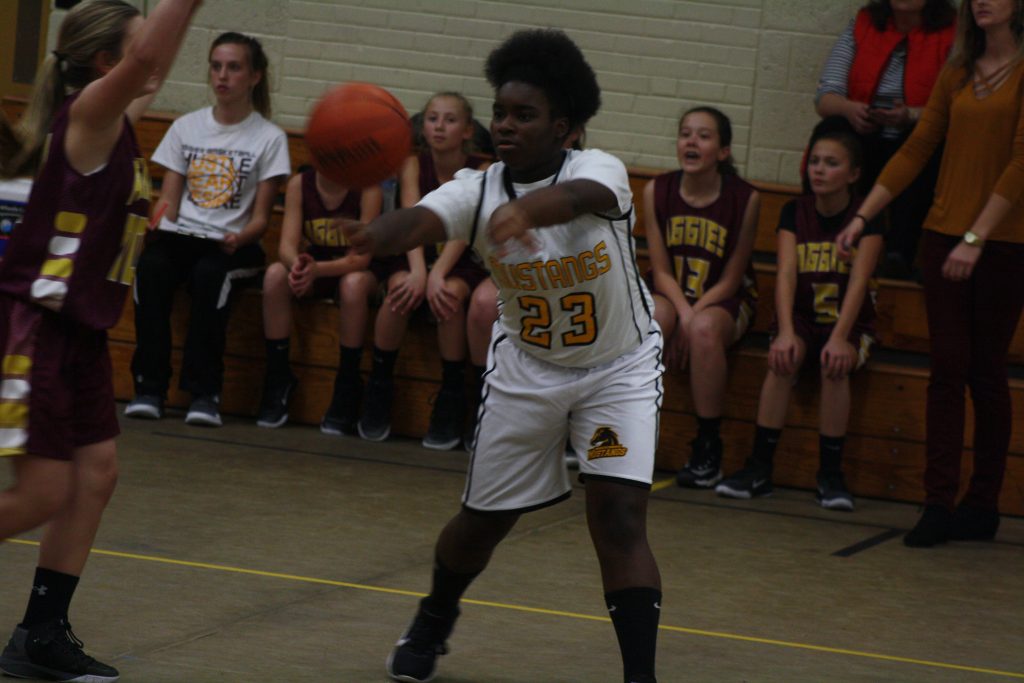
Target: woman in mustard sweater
column 973, row 255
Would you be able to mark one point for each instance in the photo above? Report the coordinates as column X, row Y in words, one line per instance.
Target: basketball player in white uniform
column 575, row 352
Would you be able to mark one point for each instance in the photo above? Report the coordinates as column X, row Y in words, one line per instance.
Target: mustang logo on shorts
column 605, row 444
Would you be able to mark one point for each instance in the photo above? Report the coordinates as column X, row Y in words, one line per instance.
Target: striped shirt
column 836, row 72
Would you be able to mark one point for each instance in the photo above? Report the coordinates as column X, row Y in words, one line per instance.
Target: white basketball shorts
column 530, row 408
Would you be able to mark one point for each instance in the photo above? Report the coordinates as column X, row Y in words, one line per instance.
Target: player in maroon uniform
column 323, row 269
column 63, row 282
column 701, row 222
column 451, row 273
column 824, row 310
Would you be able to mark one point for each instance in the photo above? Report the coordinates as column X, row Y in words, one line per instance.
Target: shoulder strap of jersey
column 479, row 205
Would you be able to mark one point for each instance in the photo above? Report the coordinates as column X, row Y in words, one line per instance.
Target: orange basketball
column 358, row 134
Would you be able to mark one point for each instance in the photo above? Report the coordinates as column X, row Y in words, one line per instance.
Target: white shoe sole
column 143, row 412
column 380, row 437
column 203, row 420
column 441, row 445
column 273, row 425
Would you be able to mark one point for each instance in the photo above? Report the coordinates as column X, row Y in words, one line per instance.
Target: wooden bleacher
column 885, row 451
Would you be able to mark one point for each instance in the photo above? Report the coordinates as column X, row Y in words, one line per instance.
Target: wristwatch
column 973, row 239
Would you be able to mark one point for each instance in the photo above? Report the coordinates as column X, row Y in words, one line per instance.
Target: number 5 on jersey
column 536, row 321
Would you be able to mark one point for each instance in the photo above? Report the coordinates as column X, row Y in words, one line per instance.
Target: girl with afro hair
column 575, row 353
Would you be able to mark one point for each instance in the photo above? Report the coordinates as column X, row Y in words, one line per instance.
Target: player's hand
column 859, row 116
column 782, row 354
column 229, row 245
column 847, row 239
column 443, row 302
column 302, row 275
column 838, row 358
column 407, row 294
column 959, row 265
column 357, row 235
column 508, row 222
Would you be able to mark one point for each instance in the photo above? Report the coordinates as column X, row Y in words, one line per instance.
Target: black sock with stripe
column 635, row 613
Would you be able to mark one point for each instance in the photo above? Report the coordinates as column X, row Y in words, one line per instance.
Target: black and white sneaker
column 414, row 659
column 51, row 652
column 204, row 411
column 343, row 413
column 445, row 431
column 704, row 468
column 146, row 407
column 274, row 406
column 375, row 424
column 753, row 481
column 832, row 492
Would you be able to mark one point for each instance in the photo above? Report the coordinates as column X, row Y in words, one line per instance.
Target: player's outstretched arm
column 548, row 206
column 395, row 232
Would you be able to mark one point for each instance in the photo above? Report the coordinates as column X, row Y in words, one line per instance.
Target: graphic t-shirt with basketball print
column 577, row 300
column 223, row 167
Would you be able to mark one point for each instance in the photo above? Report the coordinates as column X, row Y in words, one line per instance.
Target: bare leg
column 277, row 303
column 835, row 405
column 354, row 292
column 41, row 487
column 390, row 326
column 451, row 333
column 70, row 534
column 617, row 519
column 774, row 402
column 483, row 311
column 711, row 332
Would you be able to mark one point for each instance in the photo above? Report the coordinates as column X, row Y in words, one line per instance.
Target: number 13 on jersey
column 536, row 321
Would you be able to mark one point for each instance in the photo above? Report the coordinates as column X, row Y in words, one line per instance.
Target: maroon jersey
column 326, row 242
column 76, row 247
column 822, row 277
column 428, row 183
column 700, row 241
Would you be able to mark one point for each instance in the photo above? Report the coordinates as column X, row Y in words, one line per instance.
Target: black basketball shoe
column 51, row 652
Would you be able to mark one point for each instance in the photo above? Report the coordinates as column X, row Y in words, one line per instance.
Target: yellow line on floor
column 663, row 484
column 549, row 612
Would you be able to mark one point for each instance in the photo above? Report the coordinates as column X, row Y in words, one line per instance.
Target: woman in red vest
column 879, row 75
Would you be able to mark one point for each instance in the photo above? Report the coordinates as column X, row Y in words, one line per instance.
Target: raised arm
column 97, row 115
column 395, row 232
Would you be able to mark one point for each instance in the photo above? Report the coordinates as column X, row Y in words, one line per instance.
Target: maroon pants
column 970, row 325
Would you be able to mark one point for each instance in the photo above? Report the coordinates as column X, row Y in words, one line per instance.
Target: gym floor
column 244, row 554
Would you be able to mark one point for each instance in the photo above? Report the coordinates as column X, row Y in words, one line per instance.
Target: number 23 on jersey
column 536, row 321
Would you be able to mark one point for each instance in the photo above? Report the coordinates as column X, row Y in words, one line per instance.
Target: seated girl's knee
column 275, row 277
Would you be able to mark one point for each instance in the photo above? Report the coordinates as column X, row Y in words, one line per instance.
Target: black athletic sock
column 476, row 375
column 348, row 362
column 383, row 363
column 831, row 449
column 446, row 590
column 453, row 375
column 278, row 367
column 51, row 596
column 765, row 441
column 708, row 427
column 635, row 613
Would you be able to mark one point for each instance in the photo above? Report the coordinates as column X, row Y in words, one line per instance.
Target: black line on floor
column 302, row 451
column 867, row 543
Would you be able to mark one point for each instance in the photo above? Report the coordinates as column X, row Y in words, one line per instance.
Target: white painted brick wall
column 758, row 60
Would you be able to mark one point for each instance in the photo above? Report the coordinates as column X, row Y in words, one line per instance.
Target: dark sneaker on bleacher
column 704, row 468
column 204, row 411
column 753, row 481
column 146, row 407
column 445, row 431
column 414, row 659
column 274, row 405
column 375, row 424
column 832, row 492
column 51, row 652
column 343, row 413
